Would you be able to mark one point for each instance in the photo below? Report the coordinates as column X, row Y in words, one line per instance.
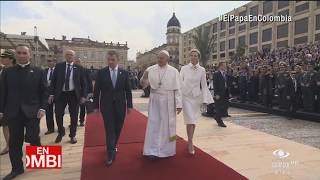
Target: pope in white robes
column 164, row 102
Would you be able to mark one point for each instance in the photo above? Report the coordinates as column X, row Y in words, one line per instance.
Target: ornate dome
column 173, row 21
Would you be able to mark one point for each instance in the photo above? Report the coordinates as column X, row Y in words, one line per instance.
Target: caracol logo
column 279, row 153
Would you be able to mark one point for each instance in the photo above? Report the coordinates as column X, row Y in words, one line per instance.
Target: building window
column 282, row 31
column 222, row 25
column 301, row 26
column 282, row 4
column 214, row 28
column 253, row 38
column 222, row 45
column 243, row 13
column 214, row 48
column 231, row 23
column 242, row 40
column 214, row 56
column 282, row 43
column 318, row 22
column 267, row 7
column 284, row 13
column 267, row 46
column 267, row 35
column 318, row 3
column 301, row 40
column 231, row 53
column 317, row 37
column 232, row 44
column 222, row 55
column 302, row 7
column 223, row 34
column 253, row 49
column 254, row 12
column 232, row 31
column 242, row 28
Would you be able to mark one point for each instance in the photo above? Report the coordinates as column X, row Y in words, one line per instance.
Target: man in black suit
column 221, row 94
column 49, row 111
column 68, row 86
column 87, row 77
column 23, row 102
column 112, row 95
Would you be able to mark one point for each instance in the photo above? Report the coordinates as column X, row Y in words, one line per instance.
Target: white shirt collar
column 24, row 65
column 69, row 63
column 116, row 68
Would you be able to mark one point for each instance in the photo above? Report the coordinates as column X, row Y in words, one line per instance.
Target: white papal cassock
column 164, row 99
column 194, row 91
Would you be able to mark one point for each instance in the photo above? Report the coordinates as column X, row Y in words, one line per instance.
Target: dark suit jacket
column 219, row 85
column 28, row 92
column 105, row 95
column 89, row 80
column 58, row 80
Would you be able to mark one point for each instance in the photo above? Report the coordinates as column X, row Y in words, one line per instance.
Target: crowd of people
column 288, row 78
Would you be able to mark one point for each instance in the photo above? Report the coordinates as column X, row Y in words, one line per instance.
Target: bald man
column 165, row 101
column 68, row 87
column 23, row 103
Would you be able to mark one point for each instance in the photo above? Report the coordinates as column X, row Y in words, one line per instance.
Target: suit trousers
column 16, row 131
column 113, row 123
column 67, row 98
column 82, row 113
column 49, row 117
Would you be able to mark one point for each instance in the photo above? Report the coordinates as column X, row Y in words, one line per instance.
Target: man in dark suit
column 23, row 103
column 112, row 95
column 221, row 94
column 49, row 111
column 87, row 77
column 68, row 87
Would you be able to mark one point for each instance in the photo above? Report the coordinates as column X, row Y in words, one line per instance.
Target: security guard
column 281, row 79
column 308, row 88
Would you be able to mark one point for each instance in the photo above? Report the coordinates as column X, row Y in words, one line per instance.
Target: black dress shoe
column 13, row 174
column 49, row 132
column 58, row 139
column 81, row 124
column 73, row 140
column 222, row 125
column 109, row 162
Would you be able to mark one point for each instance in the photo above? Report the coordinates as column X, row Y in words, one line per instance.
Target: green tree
column 204, row 43
column 241, row 49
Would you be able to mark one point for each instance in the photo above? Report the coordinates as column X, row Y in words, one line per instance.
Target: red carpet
column 130, row 164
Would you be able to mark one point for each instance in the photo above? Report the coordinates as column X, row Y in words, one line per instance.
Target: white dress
column 194, row 91
column 164, row 99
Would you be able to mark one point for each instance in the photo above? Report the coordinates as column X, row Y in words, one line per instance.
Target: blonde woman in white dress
column 195, row 94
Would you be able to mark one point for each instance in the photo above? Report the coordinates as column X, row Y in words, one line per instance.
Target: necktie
column 51, row 73
column 67, row 78
column 114, row 78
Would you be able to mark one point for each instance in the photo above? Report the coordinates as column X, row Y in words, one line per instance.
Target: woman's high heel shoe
column 193, row 152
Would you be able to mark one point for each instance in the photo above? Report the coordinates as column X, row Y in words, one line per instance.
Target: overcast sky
column 142, row 24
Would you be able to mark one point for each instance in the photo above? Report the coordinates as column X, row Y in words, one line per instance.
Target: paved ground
column 246, row 145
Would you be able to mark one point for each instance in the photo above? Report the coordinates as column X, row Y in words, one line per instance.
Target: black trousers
column 49, row 117
column 308, row 99
column 113, row 123
column 67, row 98
column 16, row 131
column 221, row 106
column 82, row 113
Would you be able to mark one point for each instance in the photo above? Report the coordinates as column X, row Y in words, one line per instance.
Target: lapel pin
column 31, row 71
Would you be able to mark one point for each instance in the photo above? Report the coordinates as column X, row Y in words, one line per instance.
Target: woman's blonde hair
column 197, row 51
